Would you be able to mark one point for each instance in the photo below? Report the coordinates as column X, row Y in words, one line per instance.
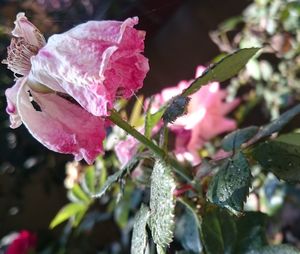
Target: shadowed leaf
column 277, row 124
column 230, row 186
column 280, row 156
column 215, row 229
column 235, row 139
column 187, row 232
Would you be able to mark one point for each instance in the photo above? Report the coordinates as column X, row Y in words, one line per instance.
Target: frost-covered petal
column 26, row 43
column 25, row 29
column 11, row 108
column 109, row 65
column 61, row 125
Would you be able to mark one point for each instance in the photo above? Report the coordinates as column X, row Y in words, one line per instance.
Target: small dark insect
column 177, row 107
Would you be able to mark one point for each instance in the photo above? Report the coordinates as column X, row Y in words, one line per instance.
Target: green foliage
column 139, row 234
column 215, row 228
column 117, row 176
column 123, row 202
column 90, row 179
column 251, row 232
column 152, row 119
column 278, row 123
column 136, row 118
column 222, row 233
column 230, row 186
column 222, row 70
column 274, row 25
column 276, row 249
column 236, row 138
column 162, row 204
column 79, row 195
column 253, row 134
column 187, row 232
column 280, row 156
column 68, row 211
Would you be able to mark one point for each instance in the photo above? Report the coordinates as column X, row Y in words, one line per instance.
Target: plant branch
column 117, row 119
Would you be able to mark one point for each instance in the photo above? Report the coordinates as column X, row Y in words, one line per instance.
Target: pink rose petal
column 94, row 63
column 25, row 29
column 11, row 108
column 62, row 126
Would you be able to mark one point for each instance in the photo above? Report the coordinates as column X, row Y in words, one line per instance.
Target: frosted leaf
column 162, row 204
column 139, row 235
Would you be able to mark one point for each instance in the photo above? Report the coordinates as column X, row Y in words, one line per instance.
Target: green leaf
column 162, row 204
column 187, row 232
column 79, row 194
column 152, row 119
column 67, row 212
column 116, row 176
column 276, row 249
column 277, row 124
column 90, row 179
column 230, row 186
column 251, row 232
column 218, row 231
column 235, row 139
column 79, row 216
column 110, row 180
column 223, row 70
column 139, row 234
column 280, row 156
column 121, row 213
column 136, row 117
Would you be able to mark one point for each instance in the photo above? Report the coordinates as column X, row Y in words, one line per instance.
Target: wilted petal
column 26, row 43
column 11, row 98
column 25, row 29
column 94, row 63
column 61, row 125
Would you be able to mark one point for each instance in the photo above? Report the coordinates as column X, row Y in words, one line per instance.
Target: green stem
column 117, row 119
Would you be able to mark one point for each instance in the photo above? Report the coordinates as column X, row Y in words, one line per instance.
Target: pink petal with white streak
column 25, row 29
column 94, row 63
column 62, row 126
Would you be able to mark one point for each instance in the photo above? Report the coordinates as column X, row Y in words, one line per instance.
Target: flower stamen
column 19, row 54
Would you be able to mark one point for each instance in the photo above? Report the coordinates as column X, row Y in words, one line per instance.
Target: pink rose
column 205, row 118
column 74, row 80
column 23, row 243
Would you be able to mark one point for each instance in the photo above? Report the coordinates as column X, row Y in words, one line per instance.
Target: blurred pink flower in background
column 126, row 149
column 23, row 243
column 74, row 79
column 204, row 120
